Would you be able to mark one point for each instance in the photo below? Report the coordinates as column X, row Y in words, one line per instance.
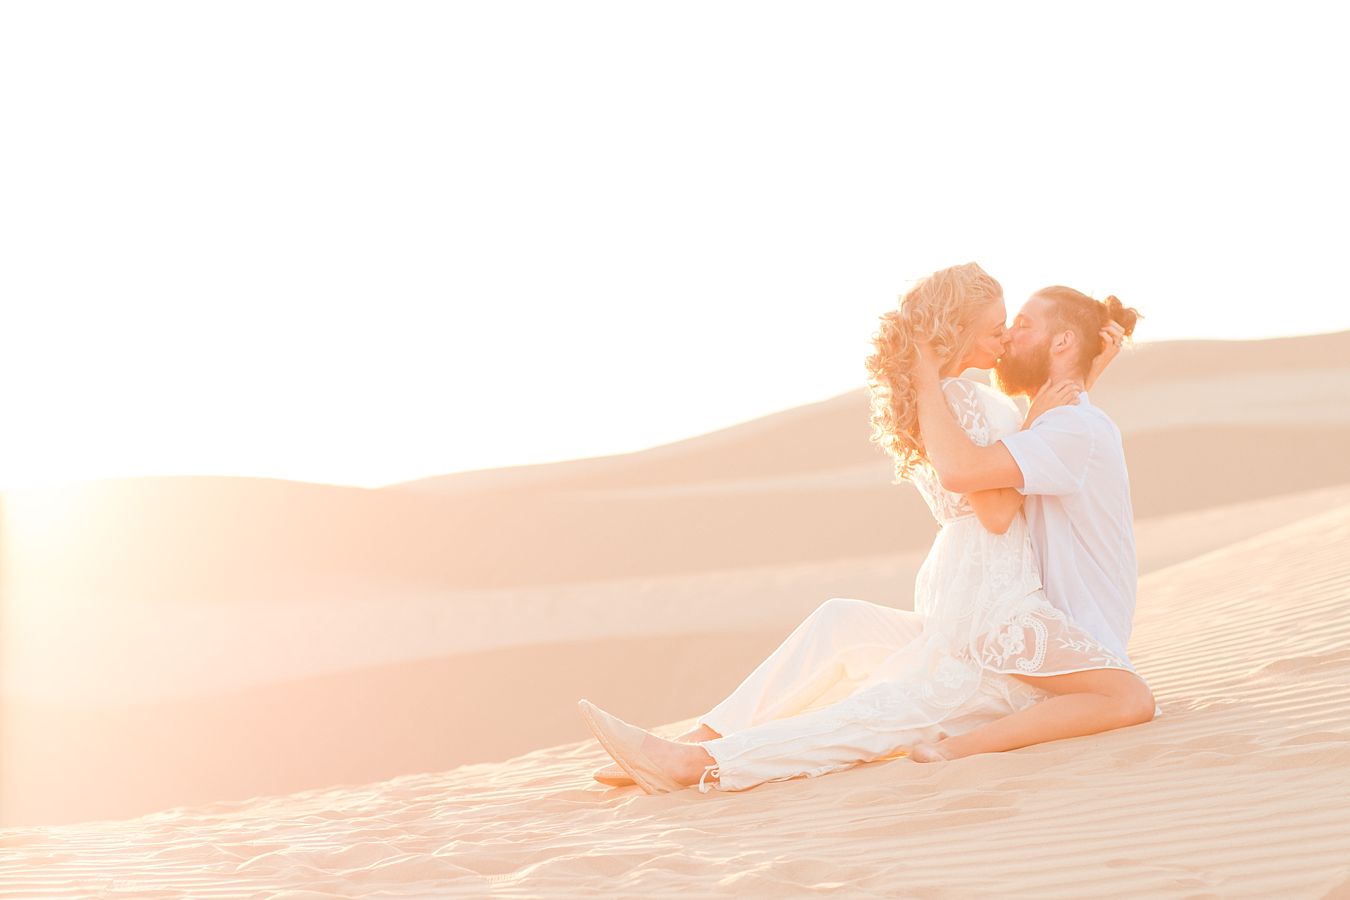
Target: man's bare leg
column 1086, row 703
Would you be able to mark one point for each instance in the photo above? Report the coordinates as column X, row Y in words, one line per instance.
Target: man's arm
column 961, row 465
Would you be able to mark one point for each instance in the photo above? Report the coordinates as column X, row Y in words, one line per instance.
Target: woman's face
column 991, row 337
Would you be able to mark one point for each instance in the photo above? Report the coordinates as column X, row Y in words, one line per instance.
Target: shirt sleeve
column 1054, row 453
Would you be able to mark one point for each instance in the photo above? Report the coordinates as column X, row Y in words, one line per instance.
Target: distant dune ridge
column 227, row 651
column 828, row 495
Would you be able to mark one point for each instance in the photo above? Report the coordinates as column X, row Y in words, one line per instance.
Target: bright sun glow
column 364, row 244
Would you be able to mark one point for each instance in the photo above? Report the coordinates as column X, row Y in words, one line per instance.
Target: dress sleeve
column 965, row 402
column 1054, row 453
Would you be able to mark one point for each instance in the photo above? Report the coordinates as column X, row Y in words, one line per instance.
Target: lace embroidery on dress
column 965, row 403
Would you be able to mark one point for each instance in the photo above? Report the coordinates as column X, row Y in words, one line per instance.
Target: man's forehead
column 1035, row 309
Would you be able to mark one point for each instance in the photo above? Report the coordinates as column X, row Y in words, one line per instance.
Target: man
column 1070, row 465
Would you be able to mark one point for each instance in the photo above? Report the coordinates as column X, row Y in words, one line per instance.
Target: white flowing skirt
column 857, row 681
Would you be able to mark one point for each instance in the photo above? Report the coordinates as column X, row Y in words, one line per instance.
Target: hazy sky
column 369, row 242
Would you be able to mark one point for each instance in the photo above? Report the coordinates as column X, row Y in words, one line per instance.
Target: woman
column 857, row 681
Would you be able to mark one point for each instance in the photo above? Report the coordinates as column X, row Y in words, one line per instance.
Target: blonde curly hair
column 930, row 311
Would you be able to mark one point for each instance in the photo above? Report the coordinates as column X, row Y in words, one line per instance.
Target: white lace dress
column 857, row 680
column 979, row 593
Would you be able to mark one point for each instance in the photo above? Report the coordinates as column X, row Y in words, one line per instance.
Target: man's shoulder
column 1067, row 418
column 1100, row 418
column 1088, row 425
column 1079, row 425
column 1083, row 416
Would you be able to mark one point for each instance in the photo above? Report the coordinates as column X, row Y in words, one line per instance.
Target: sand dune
column 298, row 708
column 798, row 486
column 822, row 435
column 1239, row 790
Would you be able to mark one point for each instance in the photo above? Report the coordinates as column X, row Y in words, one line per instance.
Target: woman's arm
column 1113, row 335
column 996, row 508
column 962, row 466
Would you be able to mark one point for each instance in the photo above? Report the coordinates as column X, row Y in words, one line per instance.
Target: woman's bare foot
column 681, row 761
column 614, row 775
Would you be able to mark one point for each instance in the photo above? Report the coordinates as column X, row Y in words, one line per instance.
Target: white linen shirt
column 1080, row 517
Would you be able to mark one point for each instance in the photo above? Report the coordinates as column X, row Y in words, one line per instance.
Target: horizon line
column 84, row 481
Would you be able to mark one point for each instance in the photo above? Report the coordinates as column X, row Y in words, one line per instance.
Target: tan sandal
column 612, row 774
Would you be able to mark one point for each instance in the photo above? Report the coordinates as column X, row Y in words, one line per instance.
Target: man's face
column 1025, row 365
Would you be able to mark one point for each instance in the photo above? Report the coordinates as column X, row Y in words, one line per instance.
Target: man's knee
column 1137, row 703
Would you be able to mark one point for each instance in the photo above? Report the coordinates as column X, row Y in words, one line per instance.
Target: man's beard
column 1024, row 373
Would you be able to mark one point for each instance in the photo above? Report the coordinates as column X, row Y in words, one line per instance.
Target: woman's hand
column 926, row 360
column 1052, row 394
column 1113, row 337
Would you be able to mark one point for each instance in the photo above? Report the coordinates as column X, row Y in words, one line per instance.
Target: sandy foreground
column 1242, row 788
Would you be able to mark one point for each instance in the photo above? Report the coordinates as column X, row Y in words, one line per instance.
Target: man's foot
column 614, row 775
column 930, row 751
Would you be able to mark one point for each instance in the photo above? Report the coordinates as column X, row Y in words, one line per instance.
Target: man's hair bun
column 1114, row 310
column 1087, row 317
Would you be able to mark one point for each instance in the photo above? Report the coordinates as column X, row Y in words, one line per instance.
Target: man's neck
column 1058, row 373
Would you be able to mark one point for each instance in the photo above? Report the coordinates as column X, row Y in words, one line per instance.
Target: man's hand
column 1113, row 337
column 1059, row 393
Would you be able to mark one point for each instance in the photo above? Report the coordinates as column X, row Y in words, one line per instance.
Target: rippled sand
column 1240, row 790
